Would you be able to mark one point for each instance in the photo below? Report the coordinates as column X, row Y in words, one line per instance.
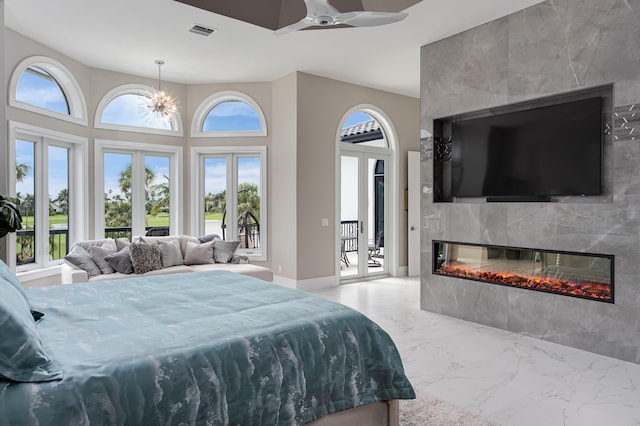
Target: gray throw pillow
column 22, row 357
column 145, row 257
column 208, row 237
column 171, row 255
column 82, row 259
column 198, row 254
column 223, row 251
column 122, row 243
column 121, row 261
column 10, row 277
column 98, row 255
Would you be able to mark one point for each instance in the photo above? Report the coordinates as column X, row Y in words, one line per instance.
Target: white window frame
column 198, row 154
column 138, row 151
column 78, row 202
column 134, row 89
column 214, row 100
column 67, row 82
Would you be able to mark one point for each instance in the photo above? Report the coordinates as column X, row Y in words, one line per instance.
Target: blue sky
column 215, row 173
column 356, row 117
column 58, row 168
column 117, row 162
column 131, row 110
column 36, row 90
column 232, row 116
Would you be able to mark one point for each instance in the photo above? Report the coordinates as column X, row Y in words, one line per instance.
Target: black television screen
column 540, row 152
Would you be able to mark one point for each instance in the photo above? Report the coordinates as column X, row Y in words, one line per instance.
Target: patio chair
column 374, row 251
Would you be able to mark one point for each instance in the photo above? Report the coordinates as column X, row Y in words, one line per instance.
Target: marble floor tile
column 505, row 377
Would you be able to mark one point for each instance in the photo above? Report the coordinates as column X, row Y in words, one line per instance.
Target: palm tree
column 27, row 208
column 124, row 181
column 248, row 199
column 62, row 200
column 214, row 203
column 160, row 194
column 22, row 171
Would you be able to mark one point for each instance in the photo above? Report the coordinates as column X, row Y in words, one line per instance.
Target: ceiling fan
column 321, row 14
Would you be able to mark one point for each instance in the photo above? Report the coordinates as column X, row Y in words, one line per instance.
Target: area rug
column 431, row 411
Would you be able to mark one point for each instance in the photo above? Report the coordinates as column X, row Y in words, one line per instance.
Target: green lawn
column 27, row 221
column 213, row 216
column 161, row 219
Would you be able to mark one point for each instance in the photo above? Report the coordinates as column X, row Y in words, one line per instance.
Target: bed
column 203, row 348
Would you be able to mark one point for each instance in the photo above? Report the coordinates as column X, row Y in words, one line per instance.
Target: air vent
column 202, row 30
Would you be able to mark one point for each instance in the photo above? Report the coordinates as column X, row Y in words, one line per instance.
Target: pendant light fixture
column 161, row 105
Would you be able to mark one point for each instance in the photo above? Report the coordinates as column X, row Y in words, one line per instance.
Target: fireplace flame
column 587, row 289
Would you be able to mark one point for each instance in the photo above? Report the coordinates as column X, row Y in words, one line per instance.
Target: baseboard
column 312, row 284
column 284, row 282
column 402, row 271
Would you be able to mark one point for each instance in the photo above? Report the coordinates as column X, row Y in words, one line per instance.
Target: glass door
column 363, row 210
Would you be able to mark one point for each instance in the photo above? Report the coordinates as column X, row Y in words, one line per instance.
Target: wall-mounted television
column 553, row 150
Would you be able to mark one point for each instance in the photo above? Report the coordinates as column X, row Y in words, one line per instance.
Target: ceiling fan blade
column 300, row 25
column 369, row 19
column 317, row 8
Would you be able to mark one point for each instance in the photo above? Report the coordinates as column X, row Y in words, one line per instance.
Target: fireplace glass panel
column 584, row 275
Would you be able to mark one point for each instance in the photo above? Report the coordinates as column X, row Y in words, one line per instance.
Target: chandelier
column 160, row 105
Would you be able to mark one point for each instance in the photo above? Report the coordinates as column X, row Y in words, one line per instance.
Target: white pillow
column 199, row 254
column 171, row 253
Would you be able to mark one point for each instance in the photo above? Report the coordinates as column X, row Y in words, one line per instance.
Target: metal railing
column 59, row 241
column 26, row 245
column 349, row 234
column 125, row 232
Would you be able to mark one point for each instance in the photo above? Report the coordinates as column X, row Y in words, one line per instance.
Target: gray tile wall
column 554, row 47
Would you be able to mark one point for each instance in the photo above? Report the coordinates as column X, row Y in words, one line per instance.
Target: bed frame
column 386, row 413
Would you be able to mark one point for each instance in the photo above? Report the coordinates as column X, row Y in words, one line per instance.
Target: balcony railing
column 59, row 241
column 26, row 245
column 349, row 234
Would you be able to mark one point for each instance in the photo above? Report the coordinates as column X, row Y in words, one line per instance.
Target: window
column 125, row 108
column 230, row 196
column 37, row 87
column 40, row 84
column 231, row 116
column 228, row 114
column 139, row 189
column 362, row 129
column 49, row 184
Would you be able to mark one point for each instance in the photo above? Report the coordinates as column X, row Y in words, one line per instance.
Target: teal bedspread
column 201, row 348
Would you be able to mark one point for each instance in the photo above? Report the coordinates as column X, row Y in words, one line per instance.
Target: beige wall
column 322, row 103
column 283, row 185
column 303, row 113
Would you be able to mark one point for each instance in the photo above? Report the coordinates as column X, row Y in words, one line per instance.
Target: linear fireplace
column 584, row 275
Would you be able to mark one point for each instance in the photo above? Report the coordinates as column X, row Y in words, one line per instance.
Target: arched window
column 125, row 108
column 227, row 114
column 362, row 129
column 43, row 85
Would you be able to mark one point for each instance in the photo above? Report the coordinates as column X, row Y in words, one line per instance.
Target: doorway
column 364, row 198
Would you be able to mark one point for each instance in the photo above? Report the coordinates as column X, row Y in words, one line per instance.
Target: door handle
column 413, row 228
column 361, row 227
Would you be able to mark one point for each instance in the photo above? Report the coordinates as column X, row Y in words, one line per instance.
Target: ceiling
column 128, row 36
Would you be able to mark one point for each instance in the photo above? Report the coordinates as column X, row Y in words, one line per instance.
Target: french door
column 363, row 213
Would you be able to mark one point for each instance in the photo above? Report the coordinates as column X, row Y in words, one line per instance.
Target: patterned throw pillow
column 223, row 251
column 145, row 257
